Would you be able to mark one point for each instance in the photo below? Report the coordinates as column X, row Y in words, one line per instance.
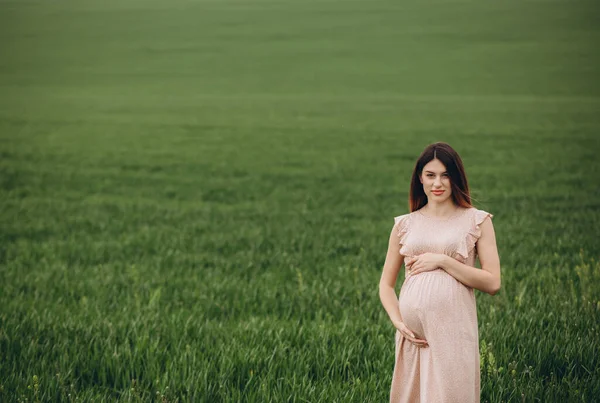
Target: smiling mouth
column 437, row 192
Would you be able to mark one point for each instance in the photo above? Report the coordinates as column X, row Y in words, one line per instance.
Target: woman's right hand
column 409, row 335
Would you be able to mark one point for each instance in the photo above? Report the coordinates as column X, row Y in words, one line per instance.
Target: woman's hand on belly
column 409, row 335
column 424, row 262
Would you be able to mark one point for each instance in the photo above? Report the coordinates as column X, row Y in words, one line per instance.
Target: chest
column 436, row 237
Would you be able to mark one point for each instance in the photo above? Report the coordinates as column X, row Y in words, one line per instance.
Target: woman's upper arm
column 393, row 261
column 487, row 250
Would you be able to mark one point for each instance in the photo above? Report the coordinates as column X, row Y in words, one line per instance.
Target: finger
column 413, row 339
column 418, row 344
column 409, row 333
column 417, row 340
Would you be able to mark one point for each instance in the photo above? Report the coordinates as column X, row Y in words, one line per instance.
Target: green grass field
column 196, row 196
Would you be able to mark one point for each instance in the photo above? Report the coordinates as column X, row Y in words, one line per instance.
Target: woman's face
column 436, row 181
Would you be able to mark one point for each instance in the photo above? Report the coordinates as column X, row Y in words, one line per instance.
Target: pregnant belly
column 436, row 301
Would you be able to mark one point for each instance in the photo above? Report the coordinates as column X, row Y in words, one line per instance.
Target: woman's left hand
column 424, row 262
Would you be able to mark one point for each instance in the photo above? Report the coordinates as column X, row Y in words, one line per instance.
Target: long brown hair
column 458, row 179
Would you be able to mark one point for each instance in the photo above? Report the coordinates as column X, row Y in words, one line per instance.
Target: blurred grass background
column 196, row 196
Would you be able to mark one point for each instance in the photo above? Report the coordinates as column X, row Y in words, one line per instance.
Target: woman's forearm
column 470, row 276
column 389, row 300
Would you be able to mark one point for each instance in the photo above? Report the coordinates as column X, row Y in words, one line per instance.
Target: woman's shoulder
column 476, row 218
column 403, row 219
column 402, row 226
column 479, row 215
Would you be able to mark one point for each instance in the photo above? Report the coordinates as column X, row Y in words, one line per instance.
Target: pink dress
column 439, row 309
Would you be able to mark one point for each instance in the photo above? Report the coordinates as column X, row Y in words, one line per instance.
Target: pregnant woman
column 437, row 343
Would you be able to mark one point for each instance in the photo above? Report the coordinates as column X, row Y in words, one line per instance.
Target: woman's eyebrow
column 431, row 172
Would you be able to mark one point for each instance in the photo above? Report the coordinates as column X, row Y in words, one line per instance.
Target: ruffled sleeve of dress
column 474, row 233
column 401, row 226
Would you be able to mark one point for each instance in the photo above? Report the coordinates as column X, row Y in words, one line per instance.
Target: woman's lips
column 437, row 192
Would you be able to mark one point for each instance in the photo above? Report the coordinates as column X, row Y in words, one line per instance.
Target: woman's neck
column 440, row 210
